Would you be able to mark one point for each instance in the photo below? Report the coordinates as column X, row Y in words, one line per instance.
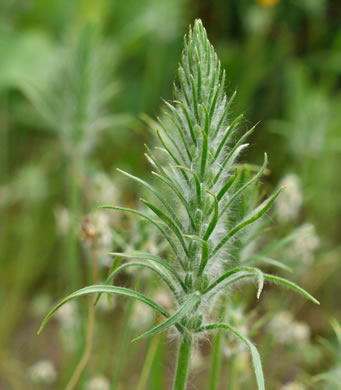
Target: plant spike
column 207, row 214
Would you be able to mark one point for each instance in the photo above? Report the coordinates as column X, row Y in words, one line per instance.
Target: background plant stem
column 74, row 193
column 91, row 325
column 216, row 353
column 124, row 342
column 232, row 373
column 148, row 362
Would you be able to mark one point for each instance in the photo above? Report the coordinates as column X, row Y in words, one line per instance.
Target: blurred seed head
column 286, row 330
column 305, row 245
column 97, row 229
column 63, row 220
column 163, row 299
column 43, row 372
column 289, row 203
column 104, row 306
column 293, row 386
column 142, row 316
column 67, row 316
column 28, row 186
column 40, row 304
column 259, row 19
column 102, row 189
column 98, row 383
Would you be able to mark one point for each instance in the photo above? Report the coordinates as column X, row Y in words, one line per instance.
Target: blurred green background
column 78, row 82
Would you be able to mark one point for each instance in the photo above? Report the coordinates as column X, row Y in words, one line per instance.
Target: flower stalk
column 182, row 367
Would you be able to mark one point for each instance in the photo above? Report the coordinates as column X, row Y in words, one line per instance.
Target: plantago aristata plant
column 196, row 208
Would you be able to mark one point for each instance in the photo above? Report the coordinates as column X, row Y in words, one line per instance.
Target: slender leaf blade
column 105, row 289
column 172, row 320
column 293, row 286
column 256, row 360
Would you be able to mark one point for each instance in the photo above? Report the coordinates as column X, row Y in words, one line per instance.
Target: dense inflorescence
column 198, row 194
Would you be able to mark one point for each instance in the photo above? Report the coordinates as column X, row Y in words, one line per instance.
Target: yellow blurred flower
column 267, row 3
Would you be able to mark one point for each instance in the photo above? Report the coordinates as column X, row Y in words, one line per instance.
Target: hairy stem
column 184, row 357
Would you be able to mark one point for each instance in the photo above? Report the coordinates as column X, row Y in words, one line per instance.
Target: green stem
column 4, row 132
column 4, row 162
column 90, row 329
column 216, row 354
column 74, row 194
column 184, row 357
column 157, row 373
column 232, row 373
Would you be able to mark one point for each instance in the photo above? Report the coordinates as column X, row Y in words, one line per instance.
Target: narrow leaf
column 204, row 252
column 267, row 260
column 196, row 180
column 156, row 193
column 229, row 161
column 246, row 185
column 236, row 274
column 175, row 318
column 203, row 154
column 179, row 126
column 171, row 185
column 214, row 219
column 252, row 217
column 155, row 259
column 106, row 289
column 227, row 134
column 224, row 115
column 293, row 286
column 256, row 360
column 144, row 265
column 142, row 215
column 227, row 186
column 165, row 218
